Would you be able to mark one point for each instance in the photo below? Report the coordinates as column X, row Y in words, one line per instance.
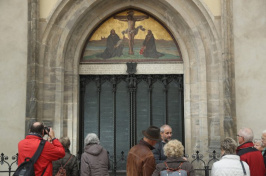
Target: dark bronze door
column 117, row 108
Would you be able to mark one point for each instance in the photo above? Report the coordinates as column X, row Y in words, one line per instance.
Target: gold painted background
column 158, row 30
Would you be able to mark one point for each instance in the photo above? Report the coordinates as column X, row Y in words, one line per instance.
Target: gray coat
column 94, row 161
column 174, row 163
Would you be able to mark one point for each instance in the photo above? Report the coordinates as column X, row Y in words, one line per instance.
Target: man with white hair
column 263, row 140
column 249, row 153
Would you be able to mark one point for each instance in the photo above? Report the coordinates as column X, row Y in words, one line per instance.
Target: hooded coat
column 94, row 161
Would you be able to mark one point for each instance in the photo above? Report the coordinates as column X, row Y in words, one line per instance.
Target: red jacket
column 252, row 157
column 51, row 152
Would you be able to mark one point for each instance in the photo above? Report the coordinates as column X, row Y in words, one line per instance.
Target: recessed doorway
column 118, row 107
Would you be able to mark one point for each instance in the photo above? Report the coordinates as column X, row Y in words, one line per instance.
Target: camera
column 46, row 129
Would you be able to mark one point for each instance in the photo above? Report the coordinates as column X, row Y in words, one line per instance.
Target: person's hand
column 49, row 139
column 51, row 133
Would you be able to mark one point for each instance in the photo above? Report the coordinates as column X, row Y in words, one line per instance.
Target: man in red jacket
column 51, row 151
column 249, row 153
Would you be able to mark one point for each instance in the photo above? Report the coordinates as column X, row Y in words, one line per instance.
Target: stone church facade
column 207, row 43
column 207, row 65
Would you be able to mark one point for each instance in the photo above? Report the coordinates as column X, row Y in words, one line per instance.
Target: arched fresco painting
column 131, row 36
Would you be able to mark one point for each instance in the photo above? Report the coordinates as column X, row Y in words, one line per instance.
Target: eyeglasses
column 239, row 136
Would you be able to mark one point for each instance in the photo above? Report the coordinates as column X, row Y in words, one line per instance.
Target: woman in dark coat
column 174, row 151
column 94, row 160
column 150, row 47
column 71, row 166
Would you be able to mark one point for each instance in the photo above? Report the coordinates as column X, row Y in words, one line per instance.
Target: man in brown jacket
column 140, row 160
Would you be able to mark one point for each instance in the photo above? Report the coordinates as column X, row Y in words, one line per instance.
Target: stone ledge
column 109, row 69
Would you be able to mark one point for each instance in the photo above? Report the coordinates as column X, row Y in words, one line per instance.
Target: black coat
column 264, row 157
column 158, row 152
column 112, row 50
column 150, row 50
column 71, row 166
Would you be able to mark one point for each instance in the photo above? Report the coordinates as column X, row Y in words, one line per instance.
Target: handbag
column 244, row 170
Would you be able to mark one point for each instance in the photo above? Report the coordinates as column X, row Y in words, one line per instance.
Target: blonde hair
column 174, row 148
column 229, row 145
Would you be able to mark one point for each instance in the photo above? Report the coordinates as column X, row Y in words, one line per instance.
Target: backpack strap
column 171, row 169
column 38, row 151
column 166, row 165
column 177, row 169
column 67, row 161
column 44, row 171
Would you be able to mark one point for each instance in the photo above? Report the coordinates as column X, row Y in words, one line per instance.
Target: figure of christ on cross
column 131, row 30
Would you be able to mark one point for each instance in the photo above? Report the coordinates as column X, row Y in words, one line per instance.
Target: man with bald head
column 249, row 153
column 51, row 151
column 166, row 135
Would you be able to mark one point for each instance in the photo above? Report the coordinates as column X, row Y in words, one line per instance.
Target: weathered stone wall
column 250, row 43
column 64, row 33
column 220, row 53
column 13, row 75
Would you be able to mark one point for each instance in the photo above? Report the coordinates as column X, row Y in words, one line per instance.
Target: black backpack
column 27, row 167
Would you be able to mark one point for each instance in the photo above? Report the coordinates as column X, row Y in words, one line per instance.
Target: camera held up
column 46, row 129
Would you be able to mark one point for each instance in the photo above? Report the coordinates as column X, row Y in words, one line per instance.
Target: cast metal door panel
column 122, row 123
column 158, row 104
column 174, row 107
column 142, row 108
column 118, row 108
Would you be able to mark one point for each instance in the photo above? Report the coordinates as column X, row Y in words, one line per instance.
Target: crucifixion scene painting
column 131, row 36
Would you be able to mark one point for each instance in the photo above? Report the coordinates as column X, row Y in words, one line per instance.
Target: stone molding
column 116, row 69
column 60, row 47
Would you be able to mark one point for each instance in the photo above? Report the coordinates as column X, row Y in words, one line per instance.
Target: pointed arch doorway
column 205, row 69
column 118, row 107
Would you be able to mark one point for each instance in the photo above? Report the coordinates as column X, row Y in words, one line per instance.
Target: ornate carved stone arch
column 60, row 47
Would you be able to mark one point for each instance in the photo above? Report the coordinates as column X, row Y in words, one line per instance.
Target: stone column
column 32, row 78
column 229, row 118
